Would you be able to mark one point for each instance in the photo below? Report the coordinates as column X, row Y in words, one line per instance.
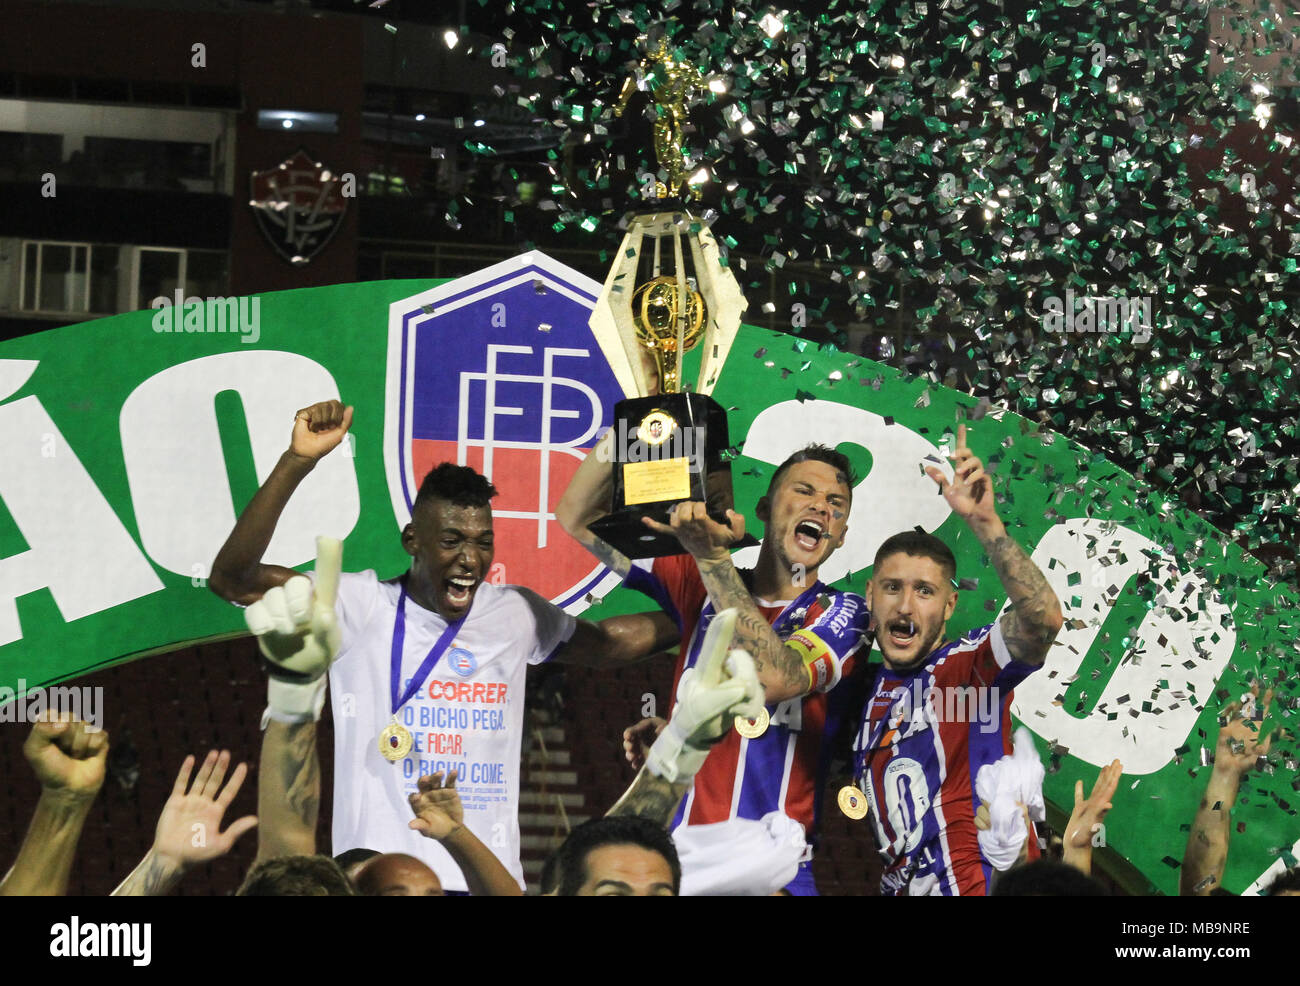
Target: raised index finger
column 961, row 438
column 329, row 564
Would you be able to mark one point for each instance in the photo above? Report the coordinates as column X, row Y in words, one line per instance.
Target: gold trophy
column 671, row 84
column 667, row 292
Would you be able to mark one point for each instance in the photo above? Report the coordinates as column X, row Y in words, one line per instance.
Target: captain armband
column 817, row 657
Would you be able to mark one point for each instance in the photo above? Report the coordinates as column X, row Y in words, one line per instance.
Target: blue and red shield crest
column 499, row 370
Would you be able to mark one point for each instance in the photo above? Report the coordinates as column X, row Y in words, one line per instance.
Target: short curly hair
column 459, row 485
column 817, row 453
column 920, row 544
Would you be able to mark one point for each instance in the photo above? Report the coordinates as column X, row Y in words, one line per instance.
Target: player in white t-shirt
column 435, row 658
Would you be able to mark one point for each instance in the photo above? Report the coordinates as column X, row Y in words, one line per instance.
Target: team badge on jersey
column 498, row 370
column 461, row 661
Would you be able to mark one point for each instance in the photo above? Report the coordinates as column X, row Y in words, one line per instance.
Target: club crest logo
column 656, row 428
column 461, row 661
column 298, row 206
column 499, row 370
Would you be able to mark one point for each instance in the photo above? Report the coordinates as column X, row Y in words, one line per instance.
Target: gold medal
column 853, row 802
column 395, row 741
column 753, row 728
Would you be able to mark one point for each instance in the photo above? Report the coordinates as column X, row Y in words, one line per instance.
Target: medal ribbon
column 431, row 659
column 879, row 735
column 875, row 733
column 782, row 622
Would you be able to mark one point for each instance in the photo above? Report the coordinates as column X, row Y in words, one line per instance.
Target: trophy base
column 667, row 449
column 623, row 531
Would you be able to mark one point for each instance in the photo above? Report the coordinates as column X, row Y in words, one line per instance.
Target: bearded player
column 802, row 634
column 426, row 670
column 917, row 762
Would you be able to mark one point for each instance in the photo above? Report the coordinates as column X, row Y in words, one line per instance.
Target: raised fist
column 68, row 756
column 318, row 429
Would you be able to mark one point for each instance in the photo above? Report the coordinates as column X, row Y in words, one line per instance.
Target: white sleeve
column 553, row 626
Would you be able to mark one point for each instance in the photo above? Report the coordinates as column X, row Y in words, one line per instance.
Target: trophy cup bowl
column 656, row 311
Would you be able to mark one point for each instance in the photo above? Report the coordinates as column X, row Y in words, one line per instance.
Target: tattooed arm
column 288, row 791
column 587, row 498
column 651, row 797
column 781, row 669
column 189, row 828
column 1237, row 752
column 1035, row 618
column 153, row 877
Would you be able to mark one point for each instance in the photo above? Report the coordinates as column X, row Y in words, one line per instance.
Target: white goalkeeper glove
column 298, row 635
column 709, row 697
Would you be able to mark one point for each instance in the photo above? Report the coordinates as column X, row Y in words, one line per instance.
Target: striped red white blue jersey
column 784, row 768
column 923, row 738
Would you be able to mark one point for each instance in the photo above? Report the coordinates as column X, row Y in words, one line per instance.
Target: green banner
column 130, row 443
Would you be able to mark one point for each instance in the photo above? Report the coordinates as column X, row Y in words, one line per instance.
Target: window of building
column 129, row 163
column 25, row 156
column 207, row 272
column 161, row 270
column 55, row 277
column 158, row 273
column 91, row 279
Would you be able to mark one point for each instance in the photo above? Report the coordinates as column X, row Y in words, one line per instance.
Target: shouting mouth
column 808, row 534
column 458, row 589
column 901, row 633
